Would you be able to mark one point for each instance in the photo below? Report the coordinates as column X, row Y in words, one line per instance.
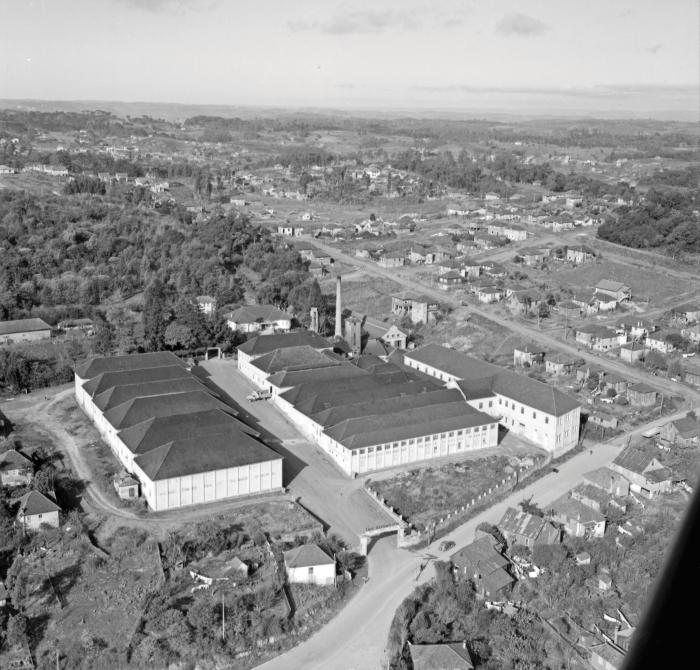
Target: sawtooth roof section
column 95, row 366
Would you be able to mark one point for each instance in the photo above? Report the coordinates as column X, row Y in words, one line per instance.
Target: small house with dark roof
column 127, row 487
column 259, row 318
column 15, row 469
column 559, row 364
column 23, row 330
column 641, row 395
column 608, row 480
column 683, row 432
column 615, row 289
column 444, row 656
column 309, row 564
column 645, row 472
column 525, row 354
column 578, row 519
column 519, row 527
column 36, row 509
column 483, row 563
column 632, row 352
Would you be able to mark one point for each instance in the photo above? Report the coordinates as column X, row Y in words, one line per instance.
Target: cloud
column 178, row 6
column 521, row 25
column 380, row 21
column 654, row 49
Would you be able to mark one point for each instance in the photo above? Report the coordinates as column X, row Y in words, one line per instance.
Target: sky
column 508, row 55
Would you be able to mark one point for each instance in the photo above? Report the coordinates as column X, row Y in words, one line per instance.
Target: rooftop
column 119, row 394
column 22, row 326
column 36, row 503
column 264, row 344
column 302, row 357
column 479, row 557
column 521, row 523
column 251, row 314
column 307, row 555
column 440, row 656
column 95, row 366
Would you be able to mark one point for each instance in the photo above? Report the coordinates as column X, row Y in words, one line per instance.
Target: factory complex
column 171, row 431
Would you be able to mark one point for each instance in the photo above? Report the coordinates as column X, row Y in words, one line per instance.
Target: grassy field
column 368, row 295
column 423, row 495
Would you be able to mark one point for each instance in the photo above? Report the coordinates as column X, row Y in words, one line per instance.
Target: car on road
column 259, row 395
column 446, row 545
column 554, row 470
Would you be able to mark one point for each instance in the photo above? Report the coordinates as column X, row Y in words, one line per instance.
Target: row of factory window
column 428, row 438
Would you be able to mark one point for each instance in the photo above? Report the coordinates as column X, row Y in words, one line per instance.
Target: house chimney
column 313, row 313
column 338, row 310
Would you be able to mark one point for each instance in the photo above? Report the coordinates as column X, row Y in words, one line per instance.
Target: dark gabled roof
column 445, row 656
column 635, row 458
column 602, row 477
column 251, row 313
column 264, row 344
column 371, row 387
column 303, row 357
column 479, row 376
column 315, row 375
column 156, row 431
column 307, row 555
column 479, row 557
column 95, row 366
column 139, row 409
column 641, row 387
column 401, row 425
column 569, row 508
column 206, row 453
column 120, row 394
column 22, row 326
column 521, row 523
column 687, row 426
column 36, row 503
column 12, row 459
column 334, row 415
column 108, row 380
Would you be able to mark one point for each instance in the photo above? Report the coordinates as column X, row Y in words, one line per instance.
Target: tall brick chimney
column 338, row 310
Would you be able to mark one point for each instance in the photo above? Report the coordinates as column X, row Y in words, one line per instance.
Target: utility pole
column 223, row 616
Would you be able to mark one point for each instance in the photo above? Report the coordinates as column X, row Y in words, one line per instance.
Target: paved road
column 521, row 328
column 309, row 473
column 355, row 639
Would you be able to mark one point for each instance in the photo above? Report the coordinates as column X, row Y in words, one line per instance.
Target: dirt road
column 521, row 328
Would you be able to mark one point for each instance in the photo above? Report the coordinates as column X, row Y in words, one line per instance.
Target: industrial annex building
column 366, row 413
column 539, row 412
column 169, row 430
column 369, row 413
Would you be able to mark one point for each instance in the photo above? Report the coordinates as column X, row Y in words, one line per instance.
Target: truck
column 259, row 395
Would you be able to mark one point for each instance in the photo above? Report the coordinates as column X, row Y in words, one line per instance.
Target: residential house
column 578, row 519
column 641, row 395
column 691, row 333
column 606, row 303
column 587, row 303
column 471, row 269
column 632, row 352
column 527, row 354
column 488, row 294
column 608, row 480
column 491, row 196
column 24, row 330
column 614, row 289
column 445, row 656
column 483, row 563
column 603, row 420
column 494, row 270
column 392, row 259
column 599, row 338
column 225, row 567
column 36, row 510
column 686, row 313
column 614, row 381
column 526, row 302
column 290, row 231
column 532, row 256
column 450, row 280
column 683, row 432
column 646, row 474
column 207, row 304
column 569, row 309
column 394, row 338
column 661, row 341
column 637, row 329
column 519, row 527
column 559, row 364
column 580, row 254
column 596, row 498
column 309, row 564
column 419, row 308
column 15, row 469
column 259, row 318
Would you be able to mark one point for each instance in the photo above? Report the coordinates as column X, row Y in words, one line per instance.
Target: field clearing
column 423, row 495
column 646, row 286
column 371, row 295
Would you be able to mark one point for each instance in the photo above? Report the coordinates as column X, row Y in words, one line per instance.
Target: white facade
column 35, row 521
column 553, row 433
column 321, row 575
column 278, row 325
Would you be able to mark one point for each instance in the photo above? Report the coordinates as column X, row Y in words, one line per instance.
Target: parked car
column 446, row 545
column 259, row 395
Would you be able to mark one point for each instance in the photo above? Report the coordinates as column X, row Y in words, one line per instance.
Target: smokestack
column 338, row 310
column 313, row 314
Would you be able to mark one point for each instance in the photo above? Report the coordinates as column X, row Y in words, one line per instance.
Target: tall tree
column 155, row 316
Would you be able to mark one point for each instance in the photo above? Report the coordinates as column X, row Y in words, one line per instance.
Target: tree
column 104, row 340
column 179, row 336
column 155, row 316
column 17, row 630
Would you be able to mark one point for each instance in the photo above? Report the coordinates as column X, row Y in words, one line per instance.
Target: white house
column 309, row 564
column 259, row 318
column 37, row 509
